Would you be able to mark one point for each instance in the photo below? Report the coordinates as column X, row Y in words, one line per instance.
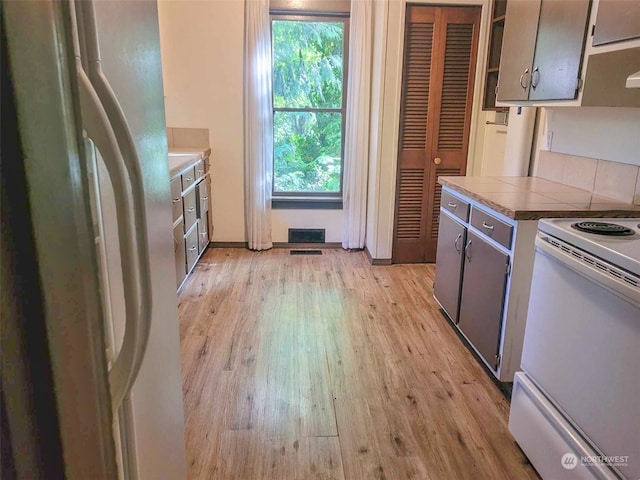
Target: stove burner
column 603, row 228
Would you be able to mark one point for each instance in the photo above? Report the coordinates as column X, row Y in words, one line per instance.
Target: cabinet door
column 191, row 244
column 451, row 241
column 176, row 198
column 482, row 297
column 617, row 20
column 203, row 198
column 558, row 58
column 190, row 209
column 203, row 234
column 518, row 47
column 180, row 258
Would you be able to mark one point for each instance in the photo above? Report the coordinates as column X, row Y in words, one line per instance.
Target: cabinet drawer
column 492, row 227
column 188, row 178
column 203, row 198
column 203, row 234
column 191, row 243
column 455, row 205
column 190, row 210
column 199, row 169
column 178, row 247
column 176, row 198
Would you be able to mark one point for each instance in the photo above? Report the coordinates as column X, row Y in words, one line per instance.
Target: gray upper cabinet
column 518, row 48
column 542, row 49
column 617, row 20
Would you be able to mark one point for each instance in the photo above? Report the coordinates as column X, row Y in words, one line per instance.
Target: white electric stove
column 575, row 408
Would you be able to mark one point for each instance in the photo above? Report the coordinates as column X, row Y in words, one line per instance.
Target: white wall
column 596, row 132
column 202, row 44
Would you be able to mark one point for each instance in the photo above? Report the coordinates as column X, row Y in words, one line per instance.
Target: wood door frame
column 481, row 58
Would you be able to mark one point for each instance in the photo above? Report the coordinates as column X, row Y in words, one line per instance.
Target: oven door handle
column 616, row 285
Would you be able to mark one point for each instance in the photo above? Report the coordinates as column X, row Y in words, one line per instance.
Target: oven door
column 582, row 346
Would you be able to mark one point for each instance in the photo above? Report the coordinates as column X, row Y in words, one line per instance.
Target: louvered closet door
column 435, row 116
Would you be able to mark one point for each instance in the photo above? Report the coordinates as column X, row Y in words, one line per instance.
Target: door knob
column 437, row 160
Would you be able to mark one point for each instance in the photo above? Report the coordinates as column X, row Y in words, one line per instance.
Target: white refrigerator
column 89, row 96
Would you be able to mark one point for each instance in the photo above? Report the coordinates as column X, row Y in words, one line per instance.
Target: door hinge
column 498, row 360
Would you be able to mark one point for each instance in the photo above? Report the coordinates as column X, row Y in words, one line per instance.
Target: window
column 309, row 99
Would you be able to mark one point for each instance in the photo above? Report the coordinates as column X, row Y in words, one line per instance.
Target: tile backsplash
column 609, row 179
column 188, row 137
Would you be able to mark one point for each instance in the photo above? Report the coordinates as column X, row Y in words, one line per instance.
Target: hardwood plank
column 300, row 367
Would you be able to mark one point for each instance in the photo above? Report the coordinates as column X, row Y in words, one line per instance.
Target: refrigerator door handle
column 96, row 124
column 127, row 364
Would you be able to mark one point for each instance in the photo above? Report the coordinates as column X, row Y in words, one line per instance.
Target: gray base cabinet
column 190, row 190
column 483, row 277
column 452, row 237
column 482, row 297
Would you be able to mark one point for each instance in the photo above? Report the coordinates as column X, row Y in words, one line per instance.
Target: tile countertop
column 180, row 158
column 531, row 198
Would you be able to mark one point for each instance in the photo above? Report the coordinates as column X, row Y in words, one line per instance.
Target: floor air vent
column 306, row 252
column 306, row 235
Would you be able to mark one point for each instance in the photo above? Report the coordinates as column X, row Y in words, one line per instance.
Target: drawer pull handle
column 200, row 170
column 205, row 198
column 189, row 179
column 467, row 250
column 204, row 234
column 191, row 210
column 452, row 205
column 455, row 244
column 487, row 226
column 175, row 200
column 192, row 249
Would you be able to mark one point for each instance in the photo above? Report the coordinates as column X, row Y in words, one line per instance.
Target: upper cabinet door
column 617, row 20
column 518, row 47
column 559, row 49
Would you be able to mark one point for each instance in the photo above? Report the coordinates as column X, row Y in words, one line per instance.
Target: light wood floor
column 302, row 367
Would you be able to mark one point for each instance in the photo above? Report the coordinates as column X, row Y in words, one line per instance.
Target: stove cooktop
column 622, row 251
column 603, row 228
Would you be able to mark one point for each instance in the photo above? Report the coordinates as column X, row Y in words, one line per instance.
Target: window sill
column 306, row 203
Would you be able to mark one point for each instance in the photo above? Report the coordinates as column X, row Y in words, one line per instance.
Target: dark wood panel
column 417, row 73
column 435, row 116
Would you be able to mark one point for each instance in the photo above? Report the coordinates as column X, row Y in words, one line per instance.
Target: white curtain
column 356, row 148
column 258, row 124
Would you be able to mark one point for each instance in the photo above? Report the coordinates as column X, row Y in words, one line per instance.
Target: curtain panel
column 258, row 125
column 356, row 148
